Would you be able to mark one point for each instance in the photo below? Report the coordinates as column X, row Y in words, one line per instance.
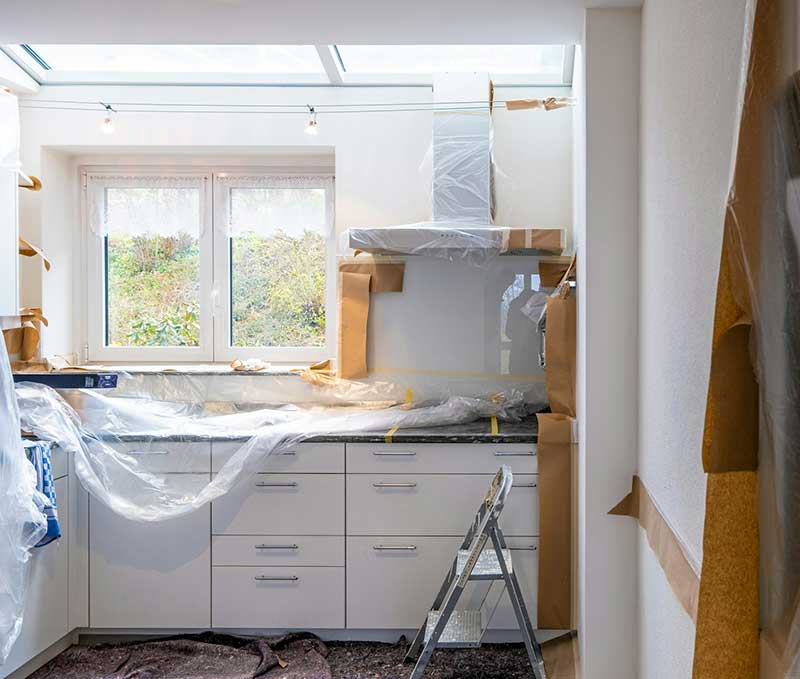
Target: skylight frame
column 333, row 73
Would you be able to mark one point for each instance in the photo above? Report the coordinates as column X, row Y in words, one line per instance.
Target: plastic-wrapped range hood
column 461, row 228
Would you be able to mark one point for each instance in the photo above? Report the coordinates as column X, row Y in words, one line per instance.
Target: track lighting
column 311, row 128
column 107, row 126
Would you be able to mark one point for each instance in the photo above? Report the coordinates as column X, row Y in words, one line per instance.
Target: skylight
column 511, row 59
column 181, row 58
column 358, row 65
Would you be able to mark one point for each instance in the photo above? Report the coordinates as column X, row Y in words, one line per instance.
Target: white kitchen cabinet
column 46, row 617
column 9, row 230
column 153, row 575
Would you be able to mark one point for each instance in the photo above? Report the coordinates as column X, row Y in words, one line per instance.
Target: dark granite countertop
column 479, row 431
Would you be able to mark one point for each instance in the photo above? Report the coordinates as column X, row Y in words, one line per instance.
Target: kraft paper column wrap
column 353, row 316
column 561, row 348
column 727, row 635
column 386, row 276
column 554, row 453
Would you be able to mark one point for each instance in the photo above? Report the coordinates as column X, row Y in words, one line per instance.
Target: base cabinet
column 155, row 575
column 45, row 618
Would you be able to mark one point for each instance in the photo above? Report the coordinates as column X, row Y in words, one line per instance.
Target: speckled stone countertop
column 479, row 431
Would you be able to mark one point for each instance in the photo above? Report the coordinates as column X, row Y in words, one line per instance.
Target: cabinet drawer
column 304, row 458
column 154, row 575
column 439, row 458
column 282, row 504
column 272, row 550
column 169, row 456
column 392, row 581
column 434, row 504
column 379, row 570
column 278, row 598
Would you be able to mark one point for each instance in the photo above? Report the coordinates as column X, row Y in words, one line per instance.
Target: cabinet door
column 151, row 575
column 45, row 618
column 9, row 259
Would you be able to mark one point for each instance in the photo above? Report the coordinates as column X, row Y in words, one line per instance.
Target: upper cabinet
column 9, row 204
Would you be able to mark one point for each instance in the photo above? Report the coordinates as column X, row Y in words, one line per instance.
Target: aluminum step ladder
column 446, row 627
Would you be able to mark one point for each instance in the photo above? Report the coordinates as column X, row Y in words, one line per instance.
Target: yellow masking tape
column 388, row 436
column 495, row 428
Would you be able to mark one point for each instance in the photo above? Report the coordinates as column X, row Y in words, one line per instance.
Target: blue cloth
column 38, row 453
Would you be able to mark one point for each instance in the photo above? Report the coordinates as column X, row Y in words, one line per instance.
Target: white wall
column 607, row 342
column 690, row 56
column 444, row 321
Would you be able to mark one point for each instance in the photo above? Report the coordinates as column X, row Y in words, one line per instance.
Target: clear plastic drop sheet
column 128, row 483
column 22, row 522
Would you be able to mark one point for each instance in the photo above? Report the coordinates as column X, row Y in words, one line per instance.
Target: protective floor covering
column 295, row 656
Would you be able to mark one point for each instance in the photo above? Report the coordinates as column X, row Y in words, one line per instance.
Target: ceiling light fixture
column 107, row 126
column 311, row 128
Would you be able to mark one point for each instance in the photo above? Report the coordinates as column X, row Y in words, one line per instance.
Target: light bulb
column 311, row 128
column 107, row 126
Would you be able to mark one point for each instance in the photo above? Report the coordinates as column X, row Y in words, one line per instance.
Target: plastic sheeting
column 126, row 482
column 22, row 521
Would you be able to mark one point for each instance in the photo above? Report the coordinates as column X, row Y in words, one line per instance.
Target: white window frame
column 223, row 351
column 214, row 277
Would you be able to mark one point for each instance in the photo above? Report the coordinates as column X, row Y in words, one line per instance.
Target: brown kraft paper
column 680, row 574
column 547, row 240
column 22, row 341
column 353, row 316
column 385, row 276
column 554, row 454
column 28, row 250
column 551, row 273
column 561, row 348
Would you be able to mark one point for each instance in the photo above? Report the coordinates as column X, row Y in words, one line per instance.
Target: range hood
column 461, row 227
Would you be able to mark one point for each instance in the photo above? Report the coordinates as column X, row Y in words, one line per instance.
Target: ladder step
column 463, row 629
column 487, row 568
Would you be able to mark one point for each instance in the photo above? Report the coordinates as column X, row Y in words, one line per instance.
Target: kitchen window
column 209, row 266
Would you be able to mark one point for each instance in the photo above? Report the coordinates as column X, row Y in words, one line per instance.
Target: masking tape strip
column 495, row 427
column 674, row 558
column 387, row 438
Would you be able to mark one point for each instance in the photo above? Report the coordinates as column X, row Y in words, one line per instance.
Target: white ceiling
column 296, row 21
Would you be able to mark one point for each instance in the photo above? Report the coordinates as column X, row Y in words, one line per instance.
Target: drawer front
column 435, row 458
column 380, row 569
column 304, row 458
column 278, row 598
column 169, row 456
column 151, row 575
column 434, row 504
column 392, row 581
column 282, row 504
column 277, row 550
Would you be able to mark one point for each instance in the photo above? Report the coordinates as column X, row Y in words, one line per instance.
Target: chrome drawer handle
column 288, row 452
column 395, row 548
column 277, row 578
column 523, row 485
column 501, row 453
column 277, row 547
column 285, row 484
column 148, row 452
column 529, row 548
column 381, row 453
column 410, row 484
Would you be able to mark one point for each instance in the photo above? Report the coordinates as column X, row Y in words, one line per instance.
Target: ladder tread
column 487, row 567
column 463, row 629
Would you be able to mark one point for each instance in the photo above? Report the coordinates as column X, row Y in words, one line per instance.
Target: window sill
column 193, row 369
